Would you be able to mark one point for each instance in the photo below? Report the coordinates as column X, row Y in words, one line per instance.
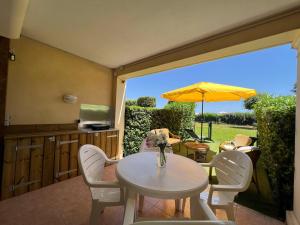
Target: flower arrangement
column 158, row 140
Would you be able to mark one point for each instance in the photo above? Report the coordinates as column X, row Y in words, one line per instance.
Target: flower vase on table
column 159, row 141
column 162, row 157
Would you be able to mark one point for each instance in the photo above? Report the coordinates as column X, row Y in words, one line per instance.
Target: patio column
column 293, row 217
column 120, row 91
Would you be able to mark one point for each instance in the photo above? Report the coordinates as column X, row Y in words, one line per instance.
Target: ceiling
column 117, row 32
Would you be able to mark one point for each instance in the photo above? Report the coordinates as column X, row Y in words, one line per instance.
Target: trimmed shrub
column 137, row 124
column 208, row 117
column 140, row 120
column 246, row 118
column 146, row 101
column 184, row 121
column 131, row 102
column 276, row 129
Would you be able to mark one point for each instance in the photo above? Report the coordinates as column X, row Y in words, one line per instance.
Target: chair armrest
column 105, row 184
column 112, row 161
column 226, row 142
column 174, row 135
column 230, row 188
column 206, row 164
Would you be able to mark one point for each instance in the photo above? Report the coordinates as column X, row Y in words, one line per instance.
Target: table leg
column 129, row 213
column 197, row 212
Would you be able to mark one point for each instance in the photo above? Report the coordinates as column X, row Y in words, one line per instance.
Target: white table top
column 182, row 177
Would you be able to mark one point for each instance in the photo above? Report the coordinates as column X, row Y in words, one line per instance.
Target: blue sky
column 270, row 70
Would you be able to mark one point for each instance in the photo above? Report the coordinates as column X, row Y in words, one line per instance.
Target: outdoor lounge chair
column 240, row 140
column 234, row 172
column 197, row 138
column 171, row 138
column 104, row 193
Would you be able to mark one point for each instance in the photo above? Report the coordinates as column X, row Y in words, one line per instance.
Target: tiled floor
column 68, row 203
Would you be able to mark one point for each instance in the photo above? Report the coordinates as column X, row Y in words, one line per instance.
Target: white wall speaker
column 70, row 99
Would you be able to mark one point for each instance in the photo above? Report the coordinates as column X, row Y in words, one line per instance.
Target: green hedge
column 237, row 118
column 137, row 123
column 140, row 120
column 208, row 117
column 276, row 130
column 183, row 117
column 131, row 102
column 146, row 101
column 246, row 118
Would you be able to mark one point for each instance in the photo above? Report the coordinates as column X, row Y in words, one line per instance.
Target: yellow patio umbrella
column 208, row 92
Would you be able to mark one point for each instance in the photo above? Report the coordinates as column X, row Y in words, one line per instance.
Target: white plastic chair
column 104, row 193
column 145, row 148
column 234, row 172
column 186, row 222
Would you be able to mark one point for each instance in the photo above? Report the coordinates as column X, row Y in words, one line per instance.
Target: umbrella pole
column 202, row 118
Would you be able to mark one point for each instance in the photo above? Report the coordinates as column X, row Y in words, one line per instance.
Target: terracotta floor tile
column 69, row 203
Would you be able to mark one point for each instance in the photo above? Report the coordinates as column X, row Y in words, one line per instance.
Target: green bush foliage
column 140, row 120
column 276, row 129
column 137, row 124
column 250, row 102
column 247, row 118
column 146, row 101
column 238, row 118
column 183, row 114
column 208, row 117
column 130, row 102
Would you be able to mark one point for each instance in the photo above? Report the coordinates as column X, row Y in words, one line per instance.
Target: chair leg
column 141, row 202
column 230, row 211
column 183, row 204
column 95, row 213
column 256, row 180
column 177, row 205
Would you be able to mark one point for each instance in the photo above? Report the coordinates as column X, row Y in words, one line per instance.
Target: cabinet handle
column 52, row 139
column 67, row 142
column 59, row 174
column 29, row 147
column 14, row 187
column 112, row 136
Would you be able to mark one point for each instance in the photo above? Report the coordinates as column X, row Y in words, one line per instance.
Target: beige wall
column 41, row 75
column 296, row 220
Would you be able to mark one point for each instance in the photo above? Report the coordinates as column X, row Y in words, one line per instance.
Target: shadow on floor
column 259, row 200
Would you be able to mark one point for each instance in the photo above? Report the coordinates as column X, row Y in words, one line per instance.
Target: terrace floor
column 68, row 203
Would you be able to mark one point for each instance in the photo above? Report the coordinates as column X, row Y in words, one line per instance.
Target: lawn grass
column 260, row 200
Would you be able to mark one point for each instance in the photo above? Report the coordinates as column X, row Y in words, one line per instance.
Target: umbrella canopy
column 209, row 92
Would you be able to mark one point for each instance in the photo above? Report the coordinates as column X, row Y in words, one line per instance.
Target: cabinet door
column 8, row 172
column 115, row 145
column 48, row 165
column 36, row 163
column 28, row 160
column 74, row 148
column 111, row 144
column 22, row 166
column 66, row 157
column 97, row 139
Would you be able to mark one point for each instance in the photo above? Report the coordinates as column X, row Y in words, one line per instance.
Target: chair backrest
column 91, row 163
column 242, row 140
column 184, row 222
column 233, row 168
column 162, row 131
column 254, row 156
column 192, row 134
column 145, row 148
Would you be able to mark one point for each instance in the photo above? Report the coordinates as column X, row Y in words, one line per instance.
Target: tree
column 250, row 102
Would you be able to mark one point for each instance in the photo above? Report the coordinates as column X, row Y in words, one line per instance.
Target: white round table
column 181, row 178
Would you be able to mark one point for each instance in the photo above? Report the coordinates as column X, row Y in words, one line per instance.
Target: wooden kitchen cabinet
column 34, row 161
